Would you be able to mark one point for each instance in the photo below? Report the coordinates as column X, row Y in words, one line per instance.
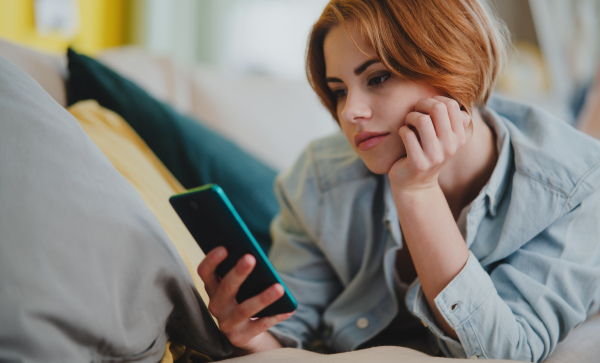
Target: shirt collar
column 497, row 185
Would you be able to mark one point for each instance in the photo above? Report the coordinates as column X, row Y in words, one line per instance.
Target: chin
column 381, row 165
column 378, row 167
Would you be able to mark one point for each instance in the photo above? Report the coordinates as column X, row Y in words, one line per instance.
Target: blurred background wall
column 555, row 55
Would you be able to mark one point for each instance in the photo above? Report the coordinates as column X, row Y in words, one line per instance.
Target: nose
column 356, row 108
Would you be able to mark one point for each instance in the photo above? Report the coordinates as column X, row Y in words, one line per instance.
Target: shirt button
column 362, row 323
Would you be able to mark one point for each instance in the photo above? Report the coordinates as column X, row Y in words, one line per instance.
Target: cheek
column 395, row 113
column 348, row 133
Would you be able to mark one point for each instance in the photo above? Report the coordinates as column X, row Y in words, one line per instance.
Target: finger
column 438, row 112
column 414, row 152
column 455, row 114
column 207, row 268
column 252, row 306
column 423, row 125
column 230, row 284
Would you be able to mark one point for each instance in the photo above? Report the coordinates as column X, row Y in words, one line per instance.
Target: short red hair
column 456, row 46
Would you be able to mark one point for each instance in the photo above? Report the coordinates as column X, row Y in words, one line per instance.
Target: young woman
column 478, row 220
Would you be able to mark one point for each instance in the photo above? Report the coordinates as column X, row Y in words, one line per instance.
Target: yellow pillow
column 130, row 155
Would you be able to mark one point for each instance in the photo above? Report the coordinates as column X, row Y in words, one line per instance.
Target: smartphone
column 212, row 221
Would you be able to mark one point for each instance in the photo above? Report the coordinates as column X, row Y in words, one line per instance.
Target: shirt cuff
column 459, row 300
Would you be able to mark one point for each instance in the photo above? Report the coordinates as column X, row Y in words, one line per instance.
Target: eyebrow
column 357, row 71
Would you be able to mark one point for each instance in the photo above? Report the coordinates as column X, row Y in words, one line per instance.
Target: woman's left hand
column 432, row 134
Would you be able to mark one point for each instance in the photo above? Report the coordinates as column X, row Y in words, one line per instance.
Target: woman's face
column 372, row 103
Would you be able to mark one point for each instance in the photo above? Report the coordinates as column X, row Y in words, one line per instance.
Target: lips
column 366, row 140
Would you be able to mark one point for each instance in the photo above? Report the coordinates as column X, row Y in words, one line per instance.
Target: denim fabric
column 533, row 233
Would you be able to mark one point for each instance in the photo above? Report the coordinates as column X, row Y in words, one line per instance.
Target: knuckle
column 421, row 166
column 264, row 324
column 244, row 311
column 213, row 308
column 228, row 289
column 267, row 297
column 453, row 104
column 439, row 107
column 423, row 121
column 421, row 103
column 450, row 150
column 438, row 159
column 202, row 270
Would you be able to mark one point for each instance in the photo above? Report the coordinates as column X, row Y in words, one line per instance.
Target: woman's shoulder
column 327, row 162
column 549, row 150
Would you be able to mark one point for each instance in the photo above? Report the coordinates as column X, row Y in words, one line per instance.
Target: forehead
column 343, row 50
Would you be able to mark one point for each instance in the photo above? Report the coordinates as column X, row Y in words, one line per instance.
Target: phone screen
column 212, row 221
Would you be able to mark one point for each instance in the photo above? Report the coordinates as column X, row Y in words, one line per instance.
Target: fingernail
column 286, row 315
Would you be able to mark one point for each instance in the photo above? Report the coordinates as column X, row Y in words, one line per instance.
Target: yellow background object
column 102, row 24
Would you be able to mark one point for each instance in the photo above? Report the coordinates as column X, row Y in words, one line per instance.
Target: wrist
column 268, row 342
column 418, row 193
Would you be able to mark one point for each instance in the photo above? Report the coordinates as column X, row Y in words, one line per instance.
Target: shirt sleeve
column 296, row 256
column 523, row 306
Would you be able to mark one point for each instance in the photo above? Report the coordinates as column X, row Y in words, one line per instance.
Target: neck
column 463, row 177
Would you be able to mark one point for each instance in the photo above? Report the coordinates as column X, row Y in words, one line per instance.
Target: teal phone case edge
column 217, row 189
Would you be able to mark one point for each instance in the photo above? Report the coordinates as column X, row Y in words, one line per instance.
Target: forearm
column 436, row 246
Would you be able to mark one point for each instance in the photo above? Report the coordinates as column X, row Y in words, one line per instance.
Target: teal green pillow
column 194, row 154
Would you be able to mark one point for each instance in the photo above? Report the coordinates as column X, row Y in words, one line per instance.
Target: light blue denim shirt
column 533, row 232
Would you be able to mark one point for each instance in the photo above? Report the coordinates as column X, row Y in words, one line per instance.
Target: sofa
column 94, row 263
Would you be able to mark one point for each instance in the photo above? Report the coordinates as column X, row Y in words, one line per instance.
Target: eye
column 339, row 93
column 379, row 79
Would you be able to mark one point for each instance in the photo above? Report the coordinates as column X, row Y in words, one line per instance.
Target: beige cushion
column 581, row 345
column 378, row 354
column 272, row 119
column 48, row 70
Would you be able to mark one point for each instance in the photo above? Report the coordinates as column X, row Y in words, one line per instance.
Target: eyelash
column 381, row 79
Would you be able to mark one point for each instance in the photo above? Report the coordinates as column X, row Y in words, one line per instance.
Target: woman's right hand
column 236, row 319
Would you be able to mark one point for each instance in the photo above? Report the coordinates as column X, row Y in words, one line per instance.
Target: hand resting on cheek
column 432, row 134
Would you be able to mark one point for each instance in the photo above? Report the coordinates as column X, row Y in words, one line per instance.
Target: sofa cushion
column 382, row 354
column 192, row 152
column 133, row 159
column 47, row 69
column 272, row 118
column 86, row 271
